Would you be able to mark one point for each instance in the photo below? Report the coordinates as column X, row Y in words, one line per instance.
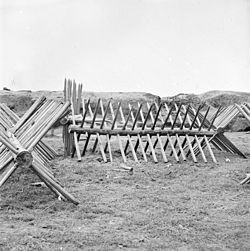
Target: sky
column 163, row 47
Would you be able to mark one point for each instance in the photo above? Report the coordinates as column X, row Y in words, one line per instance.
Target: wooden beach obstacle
column 158, row 131
column 227, row 114
column 21, row 145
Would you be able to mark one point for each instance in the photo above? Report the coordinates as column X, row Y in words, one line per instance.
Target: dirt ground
column 164, row 206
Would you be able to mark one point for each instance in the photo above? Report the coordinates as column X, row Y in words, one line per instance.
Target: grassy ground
column 170, row 206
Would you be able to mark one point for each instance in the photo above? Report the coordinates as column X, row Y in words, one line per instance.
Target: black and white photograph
column 124, row 125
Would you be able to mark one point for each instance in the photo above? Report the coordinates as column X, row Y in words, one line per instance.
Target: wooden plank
column 134, row 126
column 173, row 122
column 79, row 98
column 73, row 97
column 173, row 149
column 210, row 150
column 114, row 132
column 128, row 136
column 229, row 144
column 82, row 123
column 98, row 138
column 177, row 141
column 144, row 120
column 200, row 148
column 191, row 149
column 7, row 173
column 91, row 126
column 109, row 148
column 30, row 111
column 101, row 147
column 154, row 121
column 162, row 149
column 104, row 114
column 78, row 153
column 114, row 117
column 114, row 125
column 243, row 113
column 158, row 139
column 164, row 124
column 200, row 124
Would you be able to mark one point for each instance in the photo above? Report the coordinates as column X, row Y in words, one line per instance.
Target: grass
column 171, row 206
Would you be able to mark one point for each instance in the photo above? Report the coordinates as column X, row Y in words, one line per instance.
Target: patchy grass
column 171, row 206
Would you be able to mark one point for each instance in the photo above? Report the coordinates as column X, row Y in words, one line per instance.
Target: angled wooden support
column 91, row 126
column 225, row 143
column 219, row 140
column 246, row 180
column 134, row 126
column 98, row 138
column 197, row 140
column 12, row 122
column 85, row 111
column 144, row 120
column 177, row 141
column 244, row 111
column 173, row 125
column 154, row 121
column 199, row 143
column 158, row 137
column 113, row 126
column 225, row 116
column 119, row 111
column 128, row 136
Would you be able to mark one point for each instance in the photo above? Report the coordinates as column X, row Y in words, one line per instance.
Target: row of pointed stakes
column 181, row 130
column 72, row 93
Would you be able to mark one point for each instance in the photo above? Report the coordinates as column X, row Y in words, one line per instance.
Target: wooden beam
column 142, row 132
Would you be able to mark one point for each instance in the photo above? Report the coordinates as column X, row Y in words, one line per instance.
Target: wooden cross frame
column 22, row 146
column 182, row 130
column 9, row 119
column 179, row 130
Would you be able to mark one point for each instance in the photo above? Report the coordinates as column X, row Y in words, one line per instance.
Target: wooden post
column 134, row 120
column 91, row 126
column 148, row 136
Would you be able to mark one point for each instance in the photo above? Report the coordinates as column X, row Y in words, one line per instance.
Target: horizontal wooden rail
column 135, row 132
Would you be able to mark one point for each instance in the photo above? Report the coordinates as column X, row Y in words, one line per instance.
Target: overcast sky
column 163, row 47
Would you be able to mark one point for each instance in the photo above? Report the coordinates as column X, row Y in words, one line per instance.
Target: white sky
column 163, row 47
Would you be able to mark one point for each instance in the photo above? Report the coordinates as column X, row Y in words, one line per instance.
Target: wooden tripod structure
column 21, row 144
column 173, row 131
